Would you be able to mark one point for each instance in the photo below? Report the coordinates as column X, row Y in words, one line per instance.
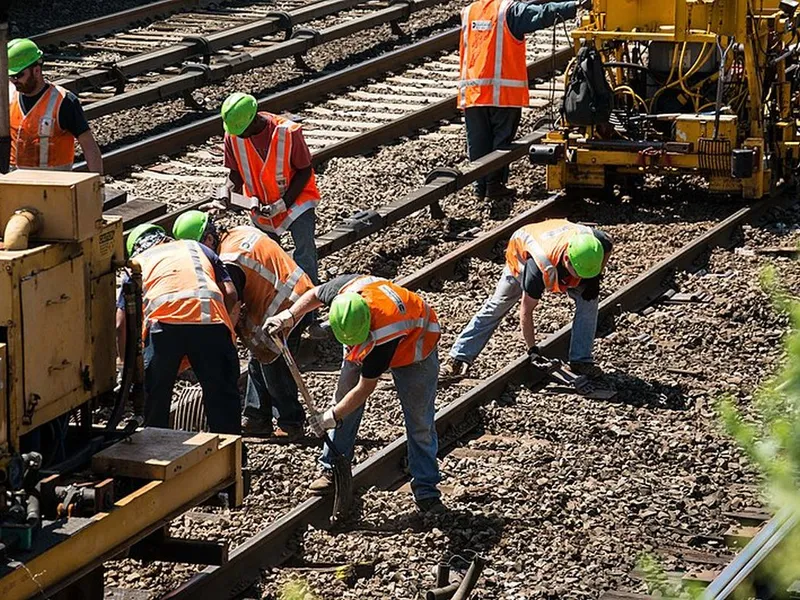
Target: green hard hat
column 349, row 318
column 138, row 232
column 190, row 225
column 585, row 252
column 238, row 111
column 22, row 53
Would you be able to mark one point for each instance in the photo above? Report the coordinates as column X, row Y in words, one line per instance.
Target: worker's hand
column 591, row 289
column 533, row 352
column 321, row 422
column 283, row 321
column 274, row 209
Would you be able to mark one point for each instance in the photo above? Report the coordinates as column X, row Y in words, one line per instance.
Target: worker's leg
column 344, row 437
column 216, row 365
column 162, row 356
column 257, row 401
column 416, row 387
column 305, row 250
column 471, row 341
column 281, row 388
column 479, row 138
column 505, row 123
column 584, row 327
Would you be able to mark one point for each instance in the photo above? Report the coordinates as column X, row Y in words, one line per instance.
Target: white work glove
column 283, row 321
column 321, row 422
column 274, row 209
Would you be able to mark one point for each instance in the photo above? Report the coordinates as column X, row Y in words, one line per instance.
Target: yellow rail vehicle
column 702, row 87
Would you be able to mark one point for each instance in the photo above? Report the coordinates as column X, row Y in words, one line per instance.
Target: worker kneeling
column 553, row 255
column 186, row 296
column 382, row 326
column 267, row 281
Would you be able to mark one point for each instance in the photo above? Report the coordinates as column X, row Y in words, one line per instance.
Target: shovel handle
column 298, row 378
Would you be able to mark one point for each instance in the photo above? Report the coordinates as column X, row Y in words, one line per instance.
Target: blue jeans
column 416, row 388
column 271, row 389
column 305, row 250
column 508, row 291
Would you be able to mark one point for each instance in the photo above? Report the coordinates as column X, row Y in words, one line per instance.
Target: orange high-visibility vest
column 37, row 139
column 494, row 71
column 273, row 282
column 267, row 180
column 546, row 243
column 395, row 312
column 179, row 286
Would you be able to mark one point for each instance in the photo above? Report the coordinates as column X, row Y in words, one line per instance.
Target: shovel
column 341, row 467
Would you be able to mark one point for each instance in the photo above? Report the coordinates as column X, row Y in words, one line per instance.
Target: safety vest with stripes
column 273, row 282
column 37, row 139
column 267, row 180
column 494, row 70
column 546, row 243
column 395, row 312
column 179, row 286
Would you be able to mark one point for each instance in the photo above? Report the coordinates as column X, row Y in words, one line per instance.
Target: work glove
column 274, row 209
column 591, row 289
column 283, row 321
column 320, row 423
column 533, row 352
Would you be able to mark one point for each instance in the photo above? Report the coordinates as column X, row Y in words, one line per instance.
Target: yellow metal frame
column 132, row 518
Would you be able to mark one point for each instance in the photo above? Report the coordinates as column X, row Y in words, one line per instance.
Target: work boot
column 431, row 506
column 591, row 370
column 288, row 433
column 322, row 485
column 256, row 426
column 454, row 368
column 499, row 190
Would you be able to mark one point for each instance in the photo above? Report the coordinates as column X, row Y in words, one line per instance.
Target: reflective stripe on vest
column 40, row 127
column 540, row 256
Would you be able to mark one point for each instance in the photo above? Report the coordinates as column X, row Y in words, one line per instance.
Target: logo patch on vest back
column 481, row 25
column 45, row 127
column 393, row 297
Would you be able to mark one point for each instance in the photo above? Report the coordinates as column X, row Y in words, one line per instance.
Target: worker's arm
column 524, row 17
column 299, row 181
column 236, row 181
column 121, row 333
column 91, row 152
column 526, row 309
column 230, row 296
column 355, row 397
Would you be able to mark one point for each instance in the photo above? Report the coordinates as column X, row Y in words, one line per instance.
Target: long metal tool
column 341, row 468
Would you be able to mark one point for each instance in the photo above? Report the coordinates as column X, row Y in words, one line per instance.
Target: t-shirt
column 533, row 281
column 70, row 116
column 300, row 157
column 380, row 357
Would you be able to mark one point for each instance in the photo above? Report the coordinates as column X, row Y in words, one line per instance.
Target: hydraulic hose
column 137, row 394
column 129, row 358
column 20, row 226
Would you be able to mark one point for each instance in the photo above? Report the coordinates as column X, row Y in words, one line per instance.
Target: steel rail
column 218, row 71
column 175, row 54
column 114, row 22
column 175, row 140
column 385, row 468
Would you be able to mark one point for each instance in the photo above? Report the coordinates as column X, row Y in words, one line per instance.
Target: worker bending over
column 270, row 163
column 553, row 255
column 493, row 80
column 186, row 296
column 383, row 327
column 45, row 118
column 268, row 281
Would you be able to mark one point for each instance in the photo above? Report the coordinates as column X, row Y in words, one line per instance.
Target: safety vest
column 494, row 70
column 546, row 243
column 37, row 139
column 179, row 286
column 267, row 180
column 395, row 312
column 273, row 282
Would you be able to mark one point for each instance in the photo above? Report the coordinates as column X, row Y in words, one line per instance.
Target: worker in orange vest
column 493, row 79
column 554, row 255
column 267, row 281
column 270, row 163
column 187, row 296
column 45, row 118
column 383, row 327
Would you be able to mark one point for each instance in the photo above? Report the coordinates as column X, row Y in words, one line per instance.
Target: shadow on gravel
column 386, row 263
column 635, row 391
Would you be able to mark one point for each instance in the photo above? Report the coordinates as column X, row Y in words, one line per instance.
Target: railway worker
column 45, row 118
column 270, row 163
column 187, row 296
column 268, row 281
column 553, row 255
column 493, row 80
column 382, row 327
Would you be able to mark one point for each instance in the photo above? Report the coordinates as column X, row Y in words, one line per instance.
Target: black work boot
column 499, row 190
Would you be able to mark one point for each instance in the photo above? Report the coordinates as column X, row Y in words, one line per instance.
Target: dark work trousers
column 271, row 387
column 215, row 363
column 490, row 128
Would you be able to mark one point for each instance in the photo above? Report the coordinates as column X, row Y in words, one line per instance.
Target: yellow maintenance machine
column 75, row 492
column 700, row 87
